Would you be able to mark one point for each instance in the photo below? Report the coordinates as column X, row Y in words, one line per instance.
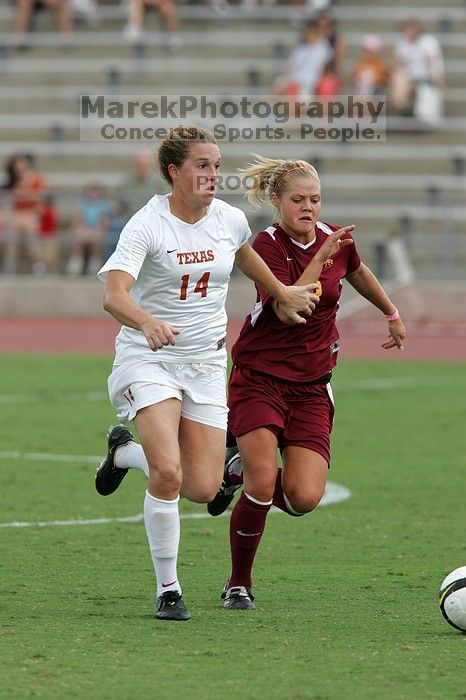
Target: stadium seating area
column 413, row 183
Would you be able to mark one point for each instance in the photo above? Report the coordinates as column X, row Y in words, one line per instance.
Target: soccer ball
column 452, row 598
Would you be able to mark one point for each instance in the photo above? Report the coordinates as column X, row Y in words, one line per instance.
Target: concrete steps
column 326, row 166
column 100, row 43
column 412, row 181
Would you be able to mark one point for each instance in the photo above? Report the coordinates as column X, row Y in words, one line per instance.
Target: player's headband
column 297, row 167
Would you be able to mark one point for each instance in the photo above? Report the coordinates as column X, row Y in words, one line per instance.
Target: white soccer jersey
column 181, row 274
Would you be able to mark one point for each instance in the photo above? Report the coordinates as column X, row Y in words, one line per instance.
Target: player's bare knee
column 169, row 474
column 260, row 483
column 261, row 490
column 206, row 495
column 304, row 502
column 200, row 493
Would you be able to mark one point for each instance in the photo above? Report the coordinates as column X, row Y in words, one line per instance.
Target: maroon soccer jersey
column 303, row 352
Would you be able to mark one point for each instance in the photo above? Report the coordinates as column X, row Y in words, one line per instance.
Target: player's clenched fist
column 298, row 300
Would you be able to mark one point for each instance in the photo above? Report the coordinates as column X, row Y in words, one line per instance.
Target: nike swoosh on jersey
column 172, row 251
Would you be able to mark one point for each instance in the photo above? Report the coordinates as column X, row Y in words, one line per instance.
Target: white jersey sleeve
column 137, row 241
column 244, row 232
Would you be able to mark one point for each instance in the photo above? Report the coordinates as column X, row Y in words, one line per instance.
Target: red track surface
column 426, row 340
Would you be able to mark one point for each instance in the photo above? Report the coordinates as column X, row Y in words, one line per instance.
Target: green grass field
column 347, row 596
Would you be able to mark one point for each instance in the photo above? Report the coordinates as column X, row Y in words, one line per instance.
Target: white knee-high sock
column 162, row 523
column 131, row 456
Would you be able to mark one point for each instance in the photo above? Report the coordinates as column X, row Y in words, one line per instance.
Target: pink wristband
column 394, row 316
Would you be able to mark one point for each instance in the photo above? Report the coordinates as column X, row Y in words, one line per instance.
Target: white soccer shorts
column 200, row 387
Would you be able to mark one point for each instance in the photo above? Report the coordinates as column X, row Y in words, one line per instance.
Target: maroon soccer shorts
column 298, row 414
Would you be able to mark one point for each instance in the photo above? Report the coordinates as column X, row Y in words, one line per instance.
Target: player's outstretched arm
column 119, row 303
column 366, row 283
column 331, row 246
column 293, row 300
column 312, row 272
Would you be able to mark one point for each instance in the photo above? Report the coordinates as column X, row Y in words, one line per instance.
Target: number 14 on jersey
column 200, row 287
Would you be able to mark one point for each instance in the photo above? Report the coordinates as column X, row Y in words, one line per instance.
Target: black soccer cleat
column 170, row 606
column 237, row 598
column 227, row 490
column 108, row 477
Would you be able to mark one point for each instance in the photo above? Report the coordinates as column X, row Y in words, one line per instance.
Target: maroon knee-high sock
column 247, row 524
column 279, row 499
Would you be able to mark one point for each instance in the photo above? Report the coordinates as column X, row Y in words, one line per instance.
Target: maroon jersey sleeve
column 354, row 260
column 271, row 250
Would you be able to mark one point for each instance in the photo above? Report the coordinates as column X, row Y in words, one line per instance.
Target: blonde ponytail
column 270, row 175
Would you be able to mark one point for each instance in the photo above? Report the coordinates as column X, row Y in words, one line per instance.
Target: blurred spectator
column 141, row 184
column 45, row 249
column 220, row 7
column 24, row 189
column 250, row 4
column 418, row 75
column 317, row 5
column 4, row 237
column 167, row 10
column 87, row 9
column 114, row 225
column 87, row 232
column 327, row 28
column 25, row 9
column 370, row 72
column 329, row 83
column 306, row 64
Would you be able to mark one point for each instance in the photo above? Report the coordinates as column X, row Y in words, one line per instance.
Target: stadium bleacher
column 413, row 183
